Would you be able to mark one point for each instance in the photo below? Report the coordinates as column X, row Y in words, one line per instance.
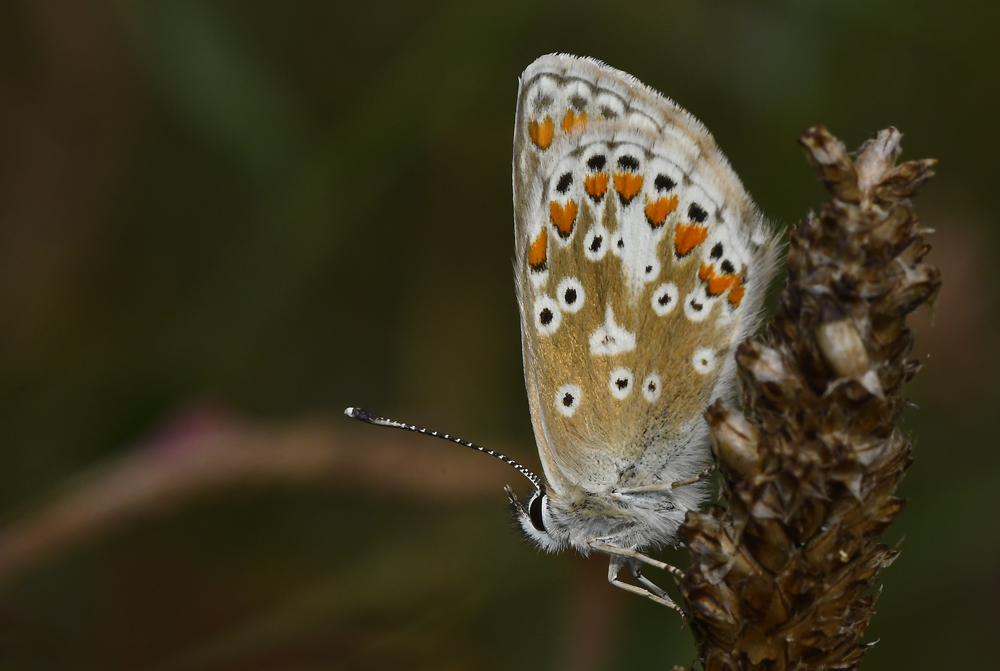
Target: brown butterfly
column 641, row 262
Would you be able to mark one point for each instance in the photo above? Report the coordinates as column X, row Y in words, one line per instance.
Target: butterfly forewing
column 640, row 262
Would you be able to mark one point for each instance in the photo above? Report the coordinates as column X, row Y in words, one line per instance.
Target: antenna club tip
column 358, row 413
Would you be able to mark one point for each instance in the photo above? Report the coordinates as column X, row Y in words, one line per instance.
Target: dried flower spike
column 783, row 579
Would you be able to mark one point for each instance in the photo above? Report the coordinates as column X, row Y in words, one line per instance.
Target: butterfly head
column 534, row 517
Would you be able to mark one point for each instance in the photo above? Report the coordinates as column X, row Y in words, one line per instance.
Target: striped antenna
column 365, row 416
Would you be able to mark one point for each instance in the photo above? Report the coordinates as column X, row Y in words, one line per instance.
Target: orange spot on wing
column 538, row 251
column 596, row 185
column 563, row 217
column 541, row 133
column 717, row 284
column 627, row 184
column 689, row 236
column 658, row 210
column 736, row 293
column 572, row 120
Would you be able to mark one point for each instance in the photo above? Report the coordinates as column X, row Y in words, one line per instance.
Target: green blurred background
column 253, row 214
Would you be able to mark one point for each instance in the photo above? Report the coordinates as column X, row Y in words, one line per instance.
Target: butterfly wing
column 641, row 262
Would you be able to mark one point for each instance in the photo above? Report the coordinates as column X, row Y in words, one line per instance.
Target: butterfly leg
column 665, row 486
column 650, row 585
column 654, row 592
column 628, row 553
column 698, row 478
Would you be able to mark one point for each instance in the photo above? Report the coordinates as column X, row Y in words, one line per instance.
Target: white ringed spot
column 570, row 294
column 651, row 387
column 665, row 298
column 703, row 360
column 562, row 184
column 568, row 399
column 697, row 305
column 548, row 316
column 620, row 383
column 596, row 243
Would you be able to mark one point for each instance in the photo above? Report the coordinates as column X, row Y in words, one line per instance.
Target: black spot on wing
column 627, row 162
column 664, row 183
column 596, row 162
column 697, row 213
column 566, row 181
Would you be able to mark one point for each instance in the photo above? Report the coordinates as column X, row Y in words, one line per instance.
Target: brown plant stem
column 203, row 454
column 784, row 578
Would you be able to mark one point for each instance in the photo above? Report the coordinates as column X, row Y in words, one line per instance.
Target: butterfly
column 640, row 263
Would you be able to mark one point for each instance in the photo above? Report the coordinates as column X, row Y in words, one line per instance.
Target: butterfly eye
column 664, row 298
column 570, row 294
column 651, row 387
column 620, row 383
column 703, row 360
column 535, row 512
column 568, row 399
column 547, row 315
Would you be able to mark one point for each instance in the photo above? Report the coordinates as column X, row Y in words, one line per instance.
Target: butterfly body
column 640, row 263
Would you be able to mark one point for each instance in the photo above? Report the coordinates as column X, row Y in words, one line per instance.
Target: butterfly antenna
column 365, row 416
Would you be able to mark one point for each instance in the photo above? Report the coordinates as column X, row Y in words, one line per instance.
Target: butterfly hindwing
column 640, row 262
